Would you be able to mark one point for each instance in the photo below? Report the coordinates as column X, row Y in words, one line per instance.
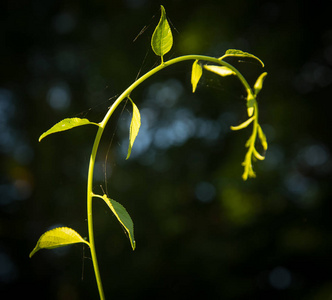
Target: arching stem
column 100, row 131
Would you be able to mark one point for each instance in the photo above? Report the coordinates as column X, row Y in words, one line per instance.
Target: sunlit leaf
column 162, row 38
column 66, row 124
column 239, row 53
column 249, row 141
column 251, row 101
column 220, row 70
column 248, row 170
column 259, row 83
column 134, row 127
column 58, row 237
column 244, row 124
column 257, row 155
column 196, row 74
column 262, row 137
column 123, row 217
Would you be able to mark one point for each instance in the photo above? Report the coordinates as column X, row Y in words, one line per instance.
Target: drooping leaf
column 123, row 217
column 58, row 237
column 251, row 101
column 220, row 70
column 239, row 53
column 262, row 137
column 259, row 83
column 66, row 124
column 258, row 155
column 162, row 38
column 244, row 124
column 196, row 74
column 134, row 127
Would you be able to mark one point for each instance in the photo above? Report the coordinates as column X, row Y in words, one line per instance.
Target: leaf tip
column 129, row 152
column 32, row 253
column 250, row 111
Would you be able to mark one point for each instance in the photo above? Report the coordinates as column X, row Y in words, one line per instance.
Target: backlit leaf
column 66, row 124
column 134, row 127
column 162, row 38
column 259, row 83
column 257, row 155
column 239, row 53
column 220, row 70
column 123, row 217
column 248, row 170
column 58, row 237
column 251, row 102
column 244, row 124
column 262, row 137
column 196, row 74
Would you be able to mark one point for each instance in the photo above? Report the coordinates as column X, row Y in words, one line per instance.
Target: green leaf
column 262, row 137
column 249, row 141
column 66, row 124
column 239, row 53
column 58, row 237
column 220, row 70
column 196, row 74
column 244, row 124
column 134, row 127
column 257, row 155
column 259, row 83
column 123, row 217
column 251, row 101
column 248, row 170
column 162, row 39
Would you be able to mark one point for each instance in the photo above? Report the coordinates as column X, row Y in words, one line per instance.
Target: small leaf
column 239, row 53
column 244, row 124
column 248, row 170
column 162, row 38
column 220, row 70
column 134, row 127
column 257, row 155
column 58, row 237
column 250, row 110
column 251, row 101
column 259, row 83
column 123, row 217
column 262, row 137
column 196, row 74
column 249, row 141
column 66, row 124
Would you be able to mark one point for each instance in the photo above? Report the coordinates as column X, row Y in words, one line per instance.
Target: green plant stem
column 100, row 131
column 89, row 212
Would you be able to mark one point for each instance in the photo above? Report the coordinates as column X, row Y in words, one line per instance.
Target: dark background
column 201, row 231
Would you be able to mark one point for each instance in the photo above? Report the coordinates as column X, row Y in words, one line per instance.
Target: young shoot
column 161, row 43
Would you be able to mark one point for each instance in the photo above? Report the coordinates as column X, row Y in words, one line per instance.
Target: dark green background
column 201, row 231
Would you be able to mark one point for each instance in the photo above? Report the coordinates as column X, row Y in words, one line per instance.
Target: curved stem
column 102, row 126
column 167, row 64
column 89, row 212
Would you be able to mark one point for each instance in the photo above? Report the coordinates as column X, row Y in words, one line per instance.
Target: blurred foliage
column 200, row 230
